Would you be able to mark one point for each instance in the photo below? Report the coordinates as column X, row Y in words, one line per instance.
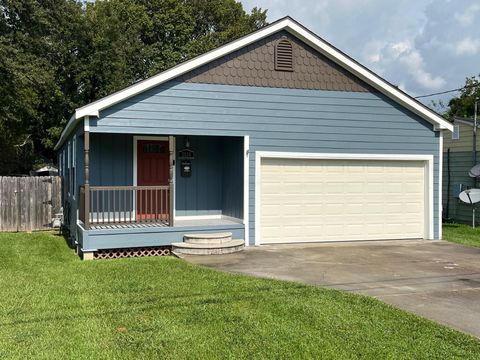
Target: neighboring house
column 458, row 159
column 277, row 137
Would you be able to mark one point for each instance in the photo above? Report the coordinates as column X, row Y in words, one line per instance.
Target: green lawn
column 462, row 234
column 54, row 306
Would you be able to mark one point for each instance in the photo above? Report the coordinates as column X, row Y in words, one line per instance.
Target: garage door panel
column 330, row 200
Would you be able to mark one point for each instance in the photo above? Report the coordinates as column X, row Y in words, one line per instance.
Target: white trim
column 174, row 175
column 429, row 190
column 94, row 108
column 287, row 24
column 86, row 123
column 208, row 217
column 234, row 219
column 74, row 166
column 198, row 217
column 246, row 179
column 368, row 76
column 258, row 181
column 69, row 166
column 440, row 185
column 456, row 132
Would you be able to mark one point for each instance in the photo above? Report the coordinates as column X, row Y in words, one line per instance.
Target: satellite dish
column 471, row 196
column 475, row 171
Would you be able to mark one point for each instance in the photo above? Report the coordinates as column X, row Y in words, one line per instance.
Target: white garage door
column 333, row 200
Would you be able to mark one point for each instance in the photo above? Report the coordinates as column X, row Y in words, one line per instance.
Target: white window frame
column 74, row 167
column 456, row 132
column 68, row 167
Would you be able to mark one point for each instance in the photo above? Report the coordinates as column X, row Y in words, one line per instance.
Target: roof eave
column 368, row 76
column 93, row 109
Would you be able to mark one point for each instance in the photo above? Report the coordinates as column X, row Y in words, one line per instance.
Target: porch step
column 203, row 238
column 226, row 247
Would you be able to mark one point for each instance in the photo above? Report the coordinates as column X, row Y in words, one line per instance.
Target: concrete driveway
column 434, row 279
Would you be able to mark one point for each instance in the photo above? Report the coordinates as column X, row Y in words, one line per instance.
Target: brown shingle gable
column 254, row 65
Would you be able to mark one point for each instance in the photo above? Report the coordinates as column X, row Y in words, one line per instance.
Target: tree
column 463, row 105
column 131, row 40
column 37, row 55
column 57, row 55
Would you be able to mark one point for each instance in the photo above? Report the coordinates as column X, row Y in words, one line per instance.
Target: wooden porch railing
column 106, row 205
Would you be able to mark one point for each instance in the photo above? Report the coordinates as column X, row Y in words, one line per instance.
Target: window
column 74, row 162
column 456, row 132
column 153, row 149
column 60, row 164
column 67, row 169
column 284, row 55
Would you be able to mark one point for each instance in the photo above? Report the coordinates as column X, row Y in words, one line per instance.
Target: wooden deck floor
column 178, row 223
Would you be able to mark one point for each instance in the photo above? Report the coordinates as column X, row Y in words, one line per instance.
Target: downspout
column 447, row 212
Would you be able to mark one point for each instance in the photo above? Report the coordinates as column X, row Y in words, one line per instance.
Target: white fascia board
column 93, row 109
column 68, row 128
column 369, row 77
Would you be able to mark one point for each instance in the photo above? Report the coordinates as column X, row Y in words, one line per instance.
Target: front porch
column 128, row 202
column 130, row 235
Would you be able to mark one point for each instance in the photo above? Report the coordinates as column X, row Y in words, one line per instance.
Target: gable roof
column 464, row 120
column 254, row 66
column 293, row 27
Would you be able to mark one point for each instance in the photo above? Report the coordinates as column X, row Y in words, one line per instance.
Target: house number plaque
column 186, row 156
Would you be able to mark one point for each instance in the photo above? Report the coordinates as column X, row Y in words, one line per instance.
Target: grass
column 53, row 305
column 461, row 234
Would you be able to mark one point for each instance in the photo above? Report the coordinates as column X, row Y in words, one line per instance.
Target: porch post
column 171, row 183
column 86, row 163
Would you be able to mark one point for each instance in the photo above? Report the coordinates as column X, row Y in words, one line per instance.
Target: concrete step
column 204, row 238
column 227, row 247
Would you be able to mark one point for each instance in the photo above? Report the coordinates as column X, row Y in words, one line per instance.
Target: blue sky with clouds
column 423, row 46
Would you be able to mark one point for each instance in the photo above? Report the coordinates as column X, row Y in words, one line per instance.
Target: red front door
column 152, row 170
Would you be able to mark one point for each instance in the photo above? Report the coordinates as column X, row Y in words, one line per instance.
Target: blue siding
column 137, row 237
column 232, row 184
column 70, row 199
column 111, row 159
column 201, row 193
column 214, row 188
column 278, row 120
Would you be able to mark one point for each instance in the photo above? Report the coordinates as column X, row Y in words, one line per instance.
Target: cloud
column 468, row 15
column 415, row 66
column 468, row 46
column 402, row 56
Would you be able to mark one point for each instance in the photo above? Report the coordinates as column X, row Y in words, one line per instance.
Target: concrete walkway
column 434, row 279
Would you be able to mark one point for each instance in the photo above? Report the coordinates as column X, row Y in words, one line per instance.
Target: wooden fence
column 29, row 203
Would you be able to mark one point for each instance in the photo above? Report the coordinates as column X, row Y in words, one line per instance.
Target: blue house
column 277, row 137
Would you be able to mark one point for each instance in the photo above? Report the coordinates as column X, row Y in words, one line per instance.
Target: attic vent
column 284, row 56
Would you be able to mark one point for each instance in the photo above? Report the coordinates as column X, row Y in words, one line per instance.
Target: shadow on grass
column 65, row 234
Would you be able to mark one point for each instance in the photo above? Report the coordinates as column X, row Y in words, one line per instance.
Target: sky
column 422, row 46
